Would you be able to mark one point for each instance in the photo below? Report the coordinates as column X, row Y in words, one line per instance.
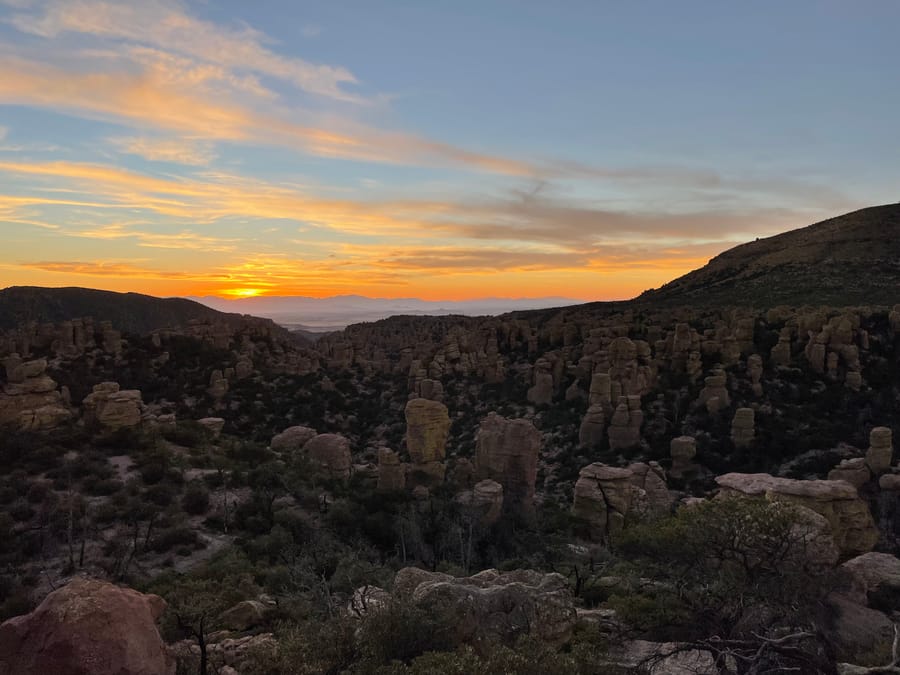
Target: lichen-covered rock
column 427, row 427
column 507, row 451
column 490, row 607
column 851, row 521
column 30, row 401
column 87, row 627
column 330, row 455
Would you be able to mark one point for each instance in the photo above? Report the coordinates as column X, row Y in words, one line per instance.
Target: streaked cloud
column 176, row 150
column 167, row 26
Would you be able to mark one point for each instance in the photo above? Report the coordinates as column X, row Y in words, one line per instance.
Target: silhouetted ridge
column 132, row 312
column 848, row 260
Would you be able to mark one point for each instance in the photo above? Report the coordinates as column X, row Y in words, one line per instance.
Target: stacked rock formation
column 854, row 471
column 755, row 372
column 30, row 400
column 781, row 352
column 605, row 495
column 715, row 394
column 485, row 500
column 111, row 408
column 87, row 627
column 391, row 471
column 427, row 428
column 541, row 393
column 507, row 451
column 625, row 426
column 330, row 456
column 848, row 516
column 881, row 450
column 682, row 450
column 743, row 427
column 593, row 426
column 591, row 504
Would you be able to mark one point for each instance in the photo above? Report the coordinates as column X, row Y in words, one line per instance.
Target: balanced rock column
column 593, row 426
column 743, row 427
column 507, row 451
column 625, row 426
column 682, row 450
column 881, row 450
column 427, row 428
column 602, row 498
column 391, row 472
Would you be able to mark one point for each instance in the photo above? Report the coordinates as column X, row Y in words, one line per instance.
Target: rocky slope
column 850, row 259
column 130, row 312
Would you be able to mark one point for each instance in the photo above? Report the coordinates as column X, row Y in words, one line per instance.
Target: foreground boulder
column 837, row 501
column 87, row 627
column 493, row 607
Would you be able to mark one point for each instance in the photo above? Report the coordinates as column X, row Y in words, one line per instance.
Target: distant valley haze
column 335, row 313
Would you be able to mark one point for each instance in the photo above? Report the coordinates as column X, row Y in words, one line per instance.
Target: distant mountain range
column 853, row 259
column 338, row 312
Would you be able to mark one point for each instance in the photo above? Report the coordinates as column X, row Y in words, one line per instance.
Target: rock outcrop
column 30, row 400
column 87, row 627
column 682, row 450
column 111, row 408
column 743, row 427
column 427, row 428
column 852, row 526
column 391, row 471
column 292, row 439
column 507, row 451
column 329, row 455
column 602, row 499
column 625, row 426
column 491, row 607
column 593, row 427
column 881, row 450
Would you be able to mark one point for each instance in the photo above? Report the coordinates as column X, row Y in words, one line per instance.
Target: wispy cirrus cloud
column 186, row 151
column 168, row 26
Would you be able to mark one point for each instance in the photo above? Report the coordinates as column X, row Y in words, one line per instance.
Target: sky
column 440, row 150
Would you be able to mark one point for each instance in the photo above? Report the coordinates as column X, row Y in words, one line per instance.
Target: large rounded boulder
column 87, row 627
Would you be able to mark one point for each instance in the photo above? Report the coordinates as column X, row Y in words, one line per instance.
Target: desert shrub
column 195, row 499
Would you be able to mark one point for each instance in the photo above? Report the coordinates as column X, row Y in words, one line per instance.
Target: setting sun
column 242, row 292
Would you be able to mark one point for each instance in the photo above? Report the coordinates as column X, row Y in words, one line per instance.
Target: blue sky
column 433, row 149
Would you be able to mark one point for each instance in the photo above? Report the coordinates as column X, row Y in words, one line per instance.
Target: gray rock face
column 330, row 455
column 491, row 607
column 881, row 450
column 851, row 521
column 507, row 451
column 292, row 439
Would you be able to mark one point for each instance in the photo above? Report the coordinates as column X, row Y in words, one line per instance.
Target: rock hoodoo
column 507, row 451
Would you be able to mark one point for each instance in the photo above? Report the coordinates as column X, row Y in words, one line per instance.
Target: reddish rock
column 87, row 627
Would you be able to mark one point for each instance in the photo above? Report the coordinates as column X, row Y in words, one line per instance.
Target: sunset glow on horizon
column 588, row 151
